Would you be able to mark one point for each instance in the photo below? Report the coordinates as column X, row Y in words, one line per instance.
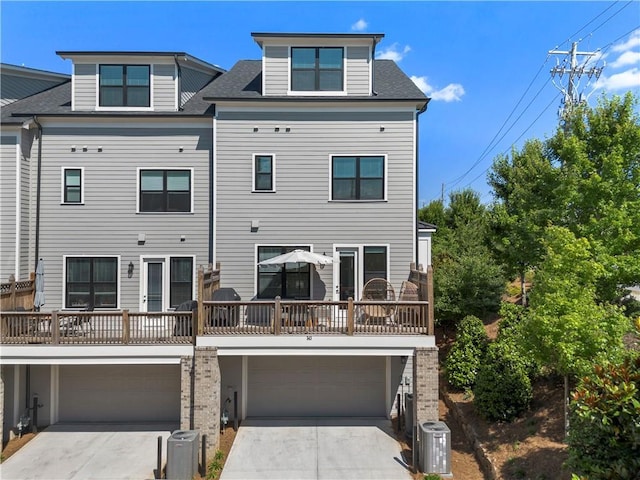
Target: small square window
column 317, row 69
column 125, row 86
column 165, row 191
column 358, row 178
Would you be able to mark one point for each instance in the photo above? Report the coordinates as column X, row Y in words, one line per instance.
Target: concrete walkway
column 89, row 451
column 316, row 448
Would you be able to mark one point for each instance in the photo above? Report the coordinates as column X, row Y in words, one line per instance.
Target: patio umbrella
column 38, row 299
column 298, row 256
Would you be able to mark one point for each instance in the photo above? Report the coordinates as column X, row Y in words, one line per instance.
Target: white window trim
column 384, row 186
column 64, row 277
column 191, row 186
column 150, row 108
column 166, row 278
column 82, row 182
column 273, row 172
column 318, row 93
column 255, row 262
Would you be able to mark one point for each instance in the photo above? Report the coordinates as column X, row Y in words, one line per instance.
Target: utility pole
column 571, row 95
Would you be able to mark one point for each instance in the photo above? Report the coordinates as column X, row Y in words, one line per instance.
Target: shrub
column 465, row 356
column 503, row 388
column 604, row 434
column 510, row 331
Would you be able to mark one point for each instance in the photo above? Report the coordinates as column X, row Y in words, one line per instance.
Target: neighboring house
column 17, row 83
column 21, row 82
column 146, row 170
column 425, row 230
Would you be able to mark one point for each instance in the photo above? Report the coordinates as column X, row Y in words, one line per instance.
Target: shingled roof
column 57, row 101
column 244, row 82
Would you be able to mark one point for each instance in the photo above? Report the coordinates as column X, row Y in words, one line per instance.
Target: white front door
column 346, row 274
column 153, row 287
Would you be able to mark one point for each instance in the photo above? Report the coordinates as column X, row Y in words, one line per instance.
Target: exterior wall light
column 130, row 270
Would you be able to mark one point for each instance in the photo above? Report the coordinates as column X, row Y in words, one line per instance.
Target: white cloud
column 451, row 93
column 620, row 81
column 393, row 52
column 623, row 71
column 632, row 42
column 360, row 25
column 627, row 58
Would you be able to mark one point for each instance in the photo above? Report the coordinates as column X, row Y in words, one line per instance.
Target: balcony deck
column 267, row 317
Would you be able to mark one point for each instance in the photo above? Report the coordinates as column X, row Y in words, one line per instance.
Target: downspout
column 38, row 189
column 212, row 173
column 179, row 80
column 373, row 68
column 417, row 198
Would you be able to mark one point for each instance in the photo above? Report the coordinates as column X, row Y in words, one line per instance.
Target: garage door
column 316, row 387
column 119, row 393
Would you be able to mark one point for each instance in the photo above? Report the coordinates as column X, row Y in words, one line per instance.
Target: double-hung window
column 91, row 282
column 357, row 178
column 375, row 262
column 125, row 86
column 292, row 280
column 181, row 280
column 263, row 173
column 165, row 191
column 317, row 69
column 72, row 185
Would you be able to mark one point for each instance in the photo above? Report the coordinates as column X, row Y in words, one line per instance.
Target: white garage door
column 119, row 393
column 316, row 387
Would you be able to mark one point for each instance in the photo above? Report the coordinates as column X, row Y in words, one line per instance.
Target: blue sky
column 485, row 64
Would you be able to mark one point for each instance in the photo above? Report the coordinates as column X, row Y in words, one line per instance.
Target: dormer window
column 317, row 69
column 125, row 86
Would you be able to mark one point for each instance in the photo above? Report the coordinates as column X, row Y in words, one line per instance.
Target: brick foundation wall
column 206, row 399
column 425, row 385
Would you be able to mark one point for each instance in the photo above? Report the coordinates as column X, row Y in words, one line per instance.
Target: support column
column 206, row 398
column 425, row 385
column 186, row 393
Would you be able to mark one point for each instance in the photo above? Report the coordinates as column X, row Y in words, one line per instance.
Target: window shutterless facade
column 165, row 191
column 72, row 185
column 375, row 263
column 263, row 173
column 180, row 280
column 287, row 281
column 357, row 178
column 125, row 86
column 91, row 282
column 317, row 69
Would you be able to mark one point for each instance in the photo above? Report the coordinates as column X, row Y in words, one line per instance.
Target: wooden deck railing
column 264, row 317
column 96, row 328
column 17, row 294
column 275, row 317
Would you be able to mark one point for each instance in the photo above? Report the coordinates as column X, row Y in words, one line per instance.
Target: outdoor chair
column 378, row 290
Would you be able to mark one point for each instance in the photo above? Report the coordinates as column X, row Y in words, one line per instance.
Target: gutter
column 417, row 197
column 373, row 68
column 38, row 192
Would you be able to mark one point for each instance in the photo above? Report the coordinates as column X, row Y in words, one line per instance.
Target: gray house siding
column 191, row 82
column 164, row 88
column 276, row 66
column 84, row 86
column 8, row 197
column 299, row 212
column 15, row 87
column 107, row 223
column 357, row 60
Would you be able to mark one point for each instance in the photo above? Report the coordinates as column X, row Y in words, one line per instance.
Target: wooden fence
column 17, row 295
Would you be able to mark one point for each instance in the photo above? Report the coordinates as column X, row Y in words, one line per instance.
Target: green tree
column 523, row 184
column 604, row 439
column 565, row 327
column 598, row 197
column 467, row 280
column 465, row 357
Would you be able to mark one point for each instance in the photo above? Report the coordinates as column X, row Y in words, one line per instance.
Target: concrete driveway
column 317, row 448
column 89, row 452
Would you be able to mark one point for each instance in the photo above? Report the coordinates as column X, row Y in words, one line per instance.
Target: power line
column 517, row 139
